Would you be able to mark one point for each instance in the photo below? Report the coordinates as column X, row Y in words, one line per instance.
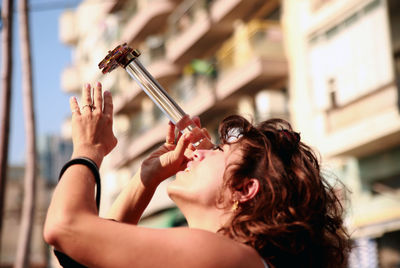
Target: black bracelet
column 92, row 166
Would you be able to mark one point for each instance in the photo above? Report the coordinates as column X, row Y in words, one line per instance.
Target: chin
column 174, row 189
column 175, row 193
column 179, row 190
column 170, row 191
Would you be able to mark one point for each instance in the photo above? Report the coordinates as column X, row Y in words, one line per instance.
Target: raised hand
column 170, row 158
column 92, row 134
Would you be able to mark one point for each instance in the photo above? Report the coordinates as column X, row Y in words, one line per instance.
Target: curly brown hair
column 295, row 220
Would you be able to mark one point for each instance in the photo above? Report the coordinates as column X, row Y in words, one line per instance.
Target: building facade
column 14, row 194
column 53, row 152
column 344, row 94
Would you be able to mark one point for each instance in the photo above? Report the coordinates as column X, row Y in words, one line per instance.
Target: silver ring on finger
column 88, row 105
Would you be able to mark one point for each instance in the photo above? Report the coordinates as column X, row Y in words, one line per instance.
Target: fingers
column 88, row 104
column 170, row 138
column 206, row 133
column 86, row 94
column 86, row 99
column 196, row 120
column 108, row 104
column 97, row 97
column 73, row 104
column 183, row 144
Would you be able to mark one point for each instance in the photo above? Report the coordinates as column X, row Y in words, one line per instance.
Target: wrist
column 148, row 179
column 90, row 152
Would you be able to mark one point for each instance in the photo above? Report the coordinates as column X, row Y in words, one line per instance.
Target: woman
column 257, row 200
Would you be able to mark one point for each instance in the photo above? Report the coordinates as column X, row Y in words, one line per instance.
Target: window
column 352, row 58
column 380, row 173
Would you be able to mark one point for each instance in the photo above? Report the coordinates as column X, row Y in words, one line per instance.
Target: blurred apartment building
column 53, row 151
column 330, row 63
column 14, row 193
column 344, row 59
column 215, row 58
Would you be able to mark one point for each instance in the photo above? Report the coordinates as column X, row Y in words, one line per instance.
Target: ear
column 249, row 189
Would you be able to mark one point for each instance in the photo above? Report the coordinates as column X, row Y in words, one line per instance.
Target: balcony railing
column 149, row 19
column 199, row 30
column 261, row 39
column 136, row 145
column 152, row 49
column 194, row 91
column 186, row 14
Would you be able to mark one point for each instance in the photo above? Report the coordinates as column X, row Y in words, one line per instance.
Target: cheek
column 213, row 167
column 199, row 186
column 192, row 183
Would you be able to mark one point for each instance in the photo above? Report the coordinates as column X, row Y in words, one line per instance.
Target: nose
column 199, row 154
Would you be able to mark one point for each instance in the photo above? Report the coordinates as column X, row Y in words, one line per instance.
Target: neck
column 210, row 219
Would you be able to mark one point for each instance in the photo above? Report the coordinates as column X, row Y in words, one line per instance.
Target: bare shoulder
column 215, row 250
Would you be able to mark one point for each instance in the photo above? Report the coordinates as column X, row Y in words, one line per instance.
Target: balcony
column 148, row 20
column 136, row 127
column 251, row 60
column 379, row 214
column 208, row 29
column 112, row 6
column 114, row 83
column 68, row 28
column 70, row 80
column 258, row 38
column 137, row 145
column 366, row 126
column 195, row 93
column 254, row 75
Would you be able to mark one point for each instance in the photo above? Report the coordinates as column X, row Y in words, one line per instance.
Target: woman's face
column 203, row 178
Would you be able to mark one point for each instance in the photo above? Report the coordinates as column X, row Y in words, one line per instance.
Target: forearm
column 132, row 201
column 72, row 199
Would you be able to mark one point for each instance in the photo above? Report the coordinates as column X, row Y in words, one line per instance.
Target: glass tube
column 162, row 99
column 155, row 91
